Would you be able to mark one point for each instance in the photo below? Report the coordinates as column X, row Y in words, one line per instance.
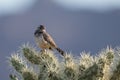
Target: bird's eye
column 40, row 32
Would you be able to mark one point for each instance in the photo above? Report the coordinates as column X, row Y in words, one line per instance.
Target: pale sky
column 9, row 7
column 98, row 5
column 14, row 6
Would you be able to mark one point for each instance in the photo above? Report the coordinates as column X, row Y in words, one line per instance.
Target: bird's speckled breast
column 42, row 43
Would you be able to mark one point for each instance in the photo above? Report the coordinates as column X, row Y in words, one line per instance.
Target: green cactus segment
column 28, row 75
column 31, row 56
column 31, row 64
column 13, row 77
column 17, row 62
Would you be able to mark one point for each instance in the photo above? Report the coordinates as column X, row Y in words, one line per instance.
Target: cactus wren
column 45, row 41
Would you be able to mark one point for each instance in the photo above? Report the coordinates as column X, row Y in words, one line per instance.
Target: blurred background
column 75, row 25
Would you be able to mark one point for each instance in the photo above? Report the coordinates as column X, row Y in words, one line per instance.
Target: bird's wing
column 49, row 39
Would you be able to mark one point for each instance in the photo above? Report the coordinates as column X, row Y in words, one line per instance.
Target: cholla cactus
column 30, row 64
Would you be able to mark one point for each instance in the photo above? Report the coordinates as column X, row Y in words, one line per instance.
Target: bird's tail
column 60, row 51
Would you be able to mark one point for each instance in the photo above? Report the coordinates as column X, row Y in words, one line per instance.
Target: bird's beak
column 36, row 33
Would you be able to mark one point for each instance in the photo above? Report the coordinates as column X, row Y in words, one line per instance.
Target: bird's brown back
column 49, row 39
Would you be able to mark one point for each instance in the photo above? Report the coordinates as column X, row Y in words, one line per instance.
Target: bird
column 45, row 41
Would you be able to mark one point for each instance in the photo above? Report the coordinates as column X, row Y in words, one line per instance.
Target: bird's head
column 39, row 30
